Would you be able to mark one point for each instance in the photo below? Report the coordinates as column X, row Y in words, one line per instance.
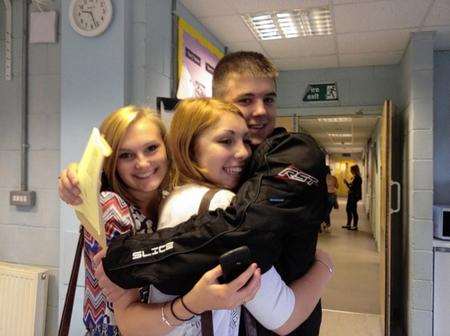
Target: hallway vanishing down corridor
column 351, row 302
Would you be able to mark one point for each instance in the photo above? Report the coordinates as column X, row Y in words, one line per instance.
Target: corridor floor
column 351, row 302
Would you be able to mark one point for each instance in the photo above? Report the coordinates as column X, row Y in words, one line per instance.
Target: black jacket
column 354, row 188
column 277, row 214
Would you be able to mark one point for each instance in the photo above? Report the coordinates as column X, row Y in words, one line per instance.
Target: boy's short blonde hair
column 248, row 63
column 192, row 117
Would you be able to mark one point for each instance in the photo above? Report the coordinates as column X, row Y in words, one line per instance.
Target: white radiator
column 23, row 299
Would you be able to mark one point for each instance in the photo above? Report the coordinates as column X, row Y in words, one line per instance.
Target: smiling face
column 255, row 97
column 142, row 159
column 222, row 150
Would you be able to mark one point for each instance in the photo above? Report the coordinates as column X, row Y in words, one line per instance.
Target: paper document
column 89, row 177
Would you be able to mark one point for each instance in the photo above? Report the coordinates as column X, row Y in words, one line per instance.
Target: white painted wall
column 441, row 127
column 31, row 236
column 417, row 99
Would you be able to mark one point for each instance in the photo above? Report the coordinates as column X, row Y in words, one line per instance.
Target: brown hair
column 355, row 169
column 192, row 117
column 114, row 128
column 247, row 63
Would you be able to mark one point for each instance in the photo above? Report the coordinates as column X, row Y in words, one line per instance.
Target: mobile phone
column 234, row 262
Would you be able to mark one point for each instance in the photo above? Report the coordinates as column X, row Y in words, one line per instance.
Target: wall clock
column 90, row 17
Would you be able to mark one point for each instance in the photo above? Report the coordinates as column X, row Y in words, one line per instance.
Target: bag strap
column 206, row 317
column 206, row 200
column 64, row 325
column 207, row 323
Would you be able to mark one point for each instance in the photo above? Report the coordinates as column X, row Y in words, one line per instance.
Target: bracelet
column 163, row 316
column 186, row 307
column 326, row 265
column 175, row 315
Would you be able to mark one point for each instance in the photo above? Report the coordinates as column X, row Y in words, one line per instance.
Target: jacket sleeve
column 276, row 204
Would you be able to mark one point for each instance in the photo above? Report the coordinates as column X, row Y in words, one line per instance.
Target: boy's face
column 255, row 97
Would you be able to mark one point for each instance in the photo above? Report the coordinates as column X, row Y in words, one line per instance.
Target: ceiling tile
column 302, row 46
column 341, row 2
column 259, row 6
column 312, row 62
column 380, row 15
column 384, row 58
column 248, row 46
column 205, row 8
column 439, row 14
column 228, row 28
column 390, row 40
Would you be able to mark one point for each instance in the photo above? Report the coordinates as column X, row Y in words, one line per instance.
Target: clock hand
column 92, row 16
column 93, row 20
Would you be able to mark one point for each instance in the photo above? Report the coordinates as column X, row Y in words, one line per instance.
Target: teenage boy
column 278, row 209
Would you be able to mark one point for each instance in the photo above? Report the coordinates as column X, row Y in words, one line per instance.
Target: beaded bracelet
column 175, row 315
column 186, row 307
column 163, row 317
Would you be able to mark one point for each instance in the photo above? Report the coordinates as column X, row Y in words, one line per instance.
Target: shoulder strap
column 68, row 303
column 206, row 200
column 207, row 323
column 206, row 317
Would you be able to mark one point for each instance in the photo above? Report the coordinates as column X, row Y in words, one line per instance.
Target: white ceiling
column 360, row 128
column 367, row 32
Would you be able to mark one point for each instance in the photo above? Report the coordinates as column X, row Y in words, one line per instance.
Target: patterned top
column 119, row 217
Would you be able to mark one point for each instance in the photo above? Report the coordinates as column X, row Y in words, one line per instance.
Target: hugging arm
column 136, row 318
column 282, row 198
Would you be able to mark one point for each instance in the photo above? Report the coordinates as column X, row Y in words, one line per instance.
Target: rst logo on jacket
column 295, row 174
column 154, row 251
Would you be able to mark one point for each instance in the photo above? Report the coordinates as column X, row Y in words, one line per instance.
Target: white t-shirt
column 272, row 305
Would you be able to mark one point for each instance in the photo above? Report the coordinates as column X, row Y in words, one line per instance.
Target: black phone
column 234, row 262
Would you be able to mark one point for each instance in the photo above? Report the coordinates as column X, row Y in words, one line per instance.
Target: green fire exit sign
column 321, row 92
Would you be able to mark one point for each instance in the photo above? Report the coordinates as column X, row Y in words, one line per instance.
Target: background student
column 354, row 195
column 332, row 187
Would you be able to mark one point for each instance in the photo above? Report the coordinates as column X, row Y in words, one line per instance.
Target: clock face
column 90, row 17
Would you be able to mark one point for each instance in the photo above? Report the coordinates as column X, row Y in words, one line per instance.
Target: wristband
column 186, row 307
column 326, row 265
column 175, row 315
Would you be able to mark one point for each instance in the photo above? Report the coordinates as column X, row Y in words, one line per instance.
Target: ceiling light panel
column 335, row 119
column 340, row 135
column 289, row 24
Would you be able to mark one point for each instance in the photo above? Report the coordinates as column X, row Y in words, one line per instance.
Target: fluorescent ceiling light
column 335, row 119
column 340, row 135
column 299, row 22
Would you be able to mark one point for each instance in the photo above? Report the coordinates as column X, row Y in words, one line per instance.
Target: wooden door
column 288, row 122
column 385, row 218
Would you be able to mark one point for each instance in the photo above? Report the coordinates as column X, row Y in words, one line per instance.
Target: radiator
column 23, row 299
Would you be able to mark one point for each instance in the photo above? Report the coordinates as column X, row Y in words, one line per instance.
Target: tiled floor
column 342, row 323
column 351, row 301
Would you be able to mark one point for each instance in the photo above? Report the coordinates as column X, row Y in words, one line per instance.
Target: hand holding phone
column 234, row 262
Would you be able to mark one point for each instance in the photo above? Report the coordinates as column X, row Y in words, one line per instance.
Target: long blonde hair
column 113, row 128
column 192, row 117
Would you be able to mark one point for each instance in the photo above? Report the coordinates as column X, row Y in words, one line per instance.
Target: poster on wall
column 197, row 59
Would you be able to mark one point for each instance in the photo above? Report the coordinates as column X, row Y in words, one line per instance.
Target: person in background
column 354, row 195
column 332, row 187
column 136, row 172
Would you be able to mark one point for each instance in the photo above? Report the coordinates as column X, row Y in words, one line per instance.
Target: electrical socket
column 22, row 198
